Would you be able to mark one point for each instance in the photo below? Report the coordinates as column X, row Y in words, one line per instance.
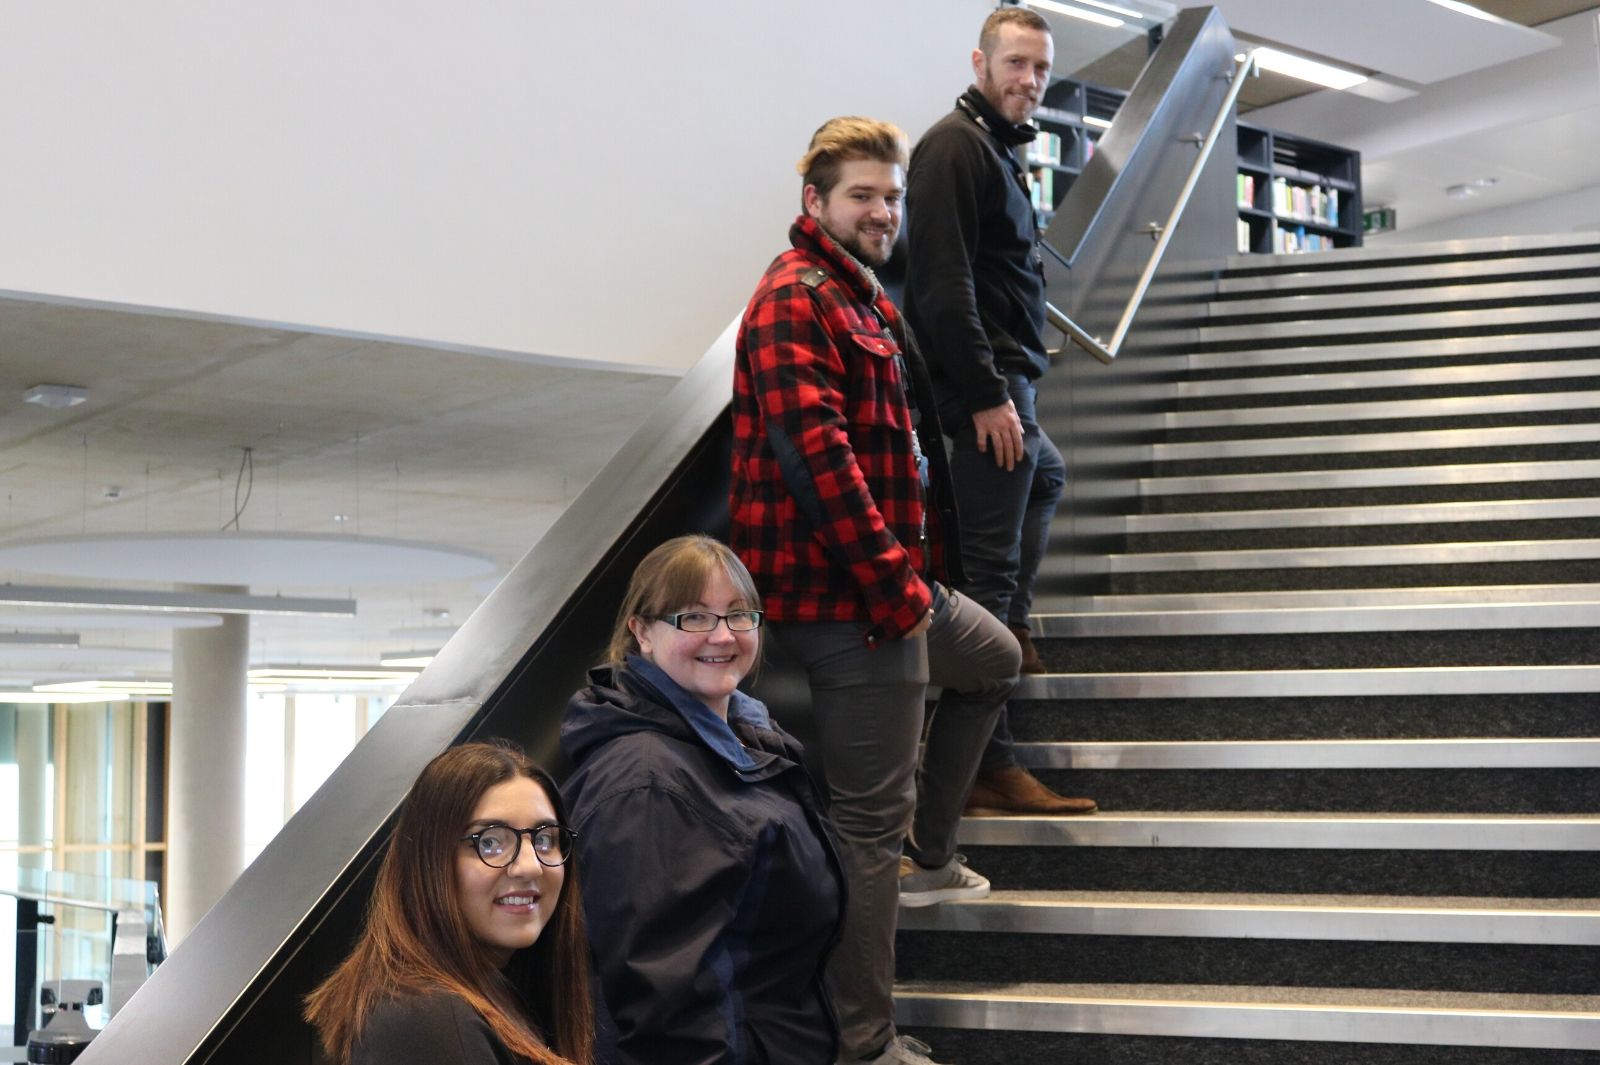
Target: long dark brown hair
column 417, row 941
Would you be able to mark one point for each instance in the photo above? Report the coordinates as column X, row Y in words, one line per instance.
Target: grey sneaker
column 951, row 881
column 902, row 1050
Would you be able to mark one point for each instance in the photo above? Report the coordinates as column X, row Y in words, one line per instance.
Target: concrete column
column 205, row 771
column 34, row 797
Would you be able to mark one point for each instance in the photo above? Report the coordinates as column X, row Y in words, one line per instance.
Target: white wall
column 591, row 181
column 1569, row 213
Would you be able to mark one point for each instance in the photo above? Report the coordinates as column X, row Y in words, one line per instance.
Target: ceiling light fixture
column 414, row 659
column 1097, row 123
column 1311, row 70
column 1467, row 9
column 173, row 602
column 110, row 690
column 1076, row 12
column 55, row 397
column 54, row 697
column 1113, row 8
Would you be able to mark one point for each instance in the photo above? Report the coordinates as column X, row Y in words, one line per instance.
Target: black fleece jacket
column 975, row 277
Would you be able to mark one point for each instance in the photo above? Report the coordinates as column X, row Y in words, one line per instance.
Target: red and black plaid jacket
column 827, row 504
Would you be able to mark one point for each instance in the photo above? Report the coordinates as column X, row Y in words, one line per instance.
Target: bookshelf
column 1294, row 194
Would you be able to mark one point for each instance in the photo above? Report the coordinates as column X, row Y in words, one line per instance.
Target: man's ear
column 811, row 199
column 977, row 65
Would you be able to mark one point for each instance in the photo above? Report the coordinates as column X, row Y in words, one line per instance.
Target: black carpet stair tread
column 1571, row 409
column 1307, row 869
column 1376, row 717
column 1246, row 959
column 1392, row 451
column 1389, row 575
column 1370, row 496
column 1353, row 535
column 1299, row 683
column 1392, row 354
column 1266, row 652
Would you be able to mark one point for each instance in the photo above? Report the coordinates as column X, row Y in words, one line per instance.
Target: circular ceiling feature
column 258, row 561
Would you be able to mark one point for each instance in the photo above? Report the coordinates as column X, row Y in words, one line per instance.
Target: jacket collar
column 712, row 731
column 808, row 237
column 977, row 107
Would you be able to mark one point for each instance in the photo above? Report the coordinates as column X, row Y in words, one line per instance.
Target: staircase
column 1339, row 698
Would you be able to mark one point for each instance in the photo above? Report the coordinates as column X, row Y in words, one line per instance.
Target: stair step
column 1380, row 256
column 1409, row 410
column 1400, row 443
column 1426, row 554
column 1299, row 305
column 1385, row 352
column 1233, row 1013
column 1436, row 617
column 1448, row 919
column 1297, row 831
column 1371, row 477
column 1290, row 683
column 1339, row 598
column 1413, row 325
column 1463, row 272
column 1455, row 753
column 1440, row 376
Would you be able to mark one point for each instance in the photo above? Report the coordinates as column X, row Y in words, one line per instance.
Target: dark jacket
column 431, row 1029
column 711, row 887
column 827, row 500
column 975, row 275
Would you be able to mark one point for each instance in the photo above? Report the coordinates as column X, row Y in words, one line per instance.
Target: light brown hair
column 672, row 577
column 416, row 940
column 839, row 140
column 1024, row 17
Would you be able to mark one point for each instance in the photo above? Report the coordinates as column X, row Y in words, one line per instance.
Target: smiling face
column 862, row 211
column 707, row 665
column 506, row 909
column 1015, row 73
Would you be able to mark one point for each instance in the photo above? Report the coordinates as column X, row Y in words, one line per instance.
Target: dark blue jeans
column 1005, row 526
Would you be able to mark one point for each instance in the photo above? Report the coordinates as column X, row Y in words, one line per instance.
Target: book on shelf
column 1041, row 188
column 1244, row 237
column 1311, row 203
column 1246, row 189
column 1046, row 148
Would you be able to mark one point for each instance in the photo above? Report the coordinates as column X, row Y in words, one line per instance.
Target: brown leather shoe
column 1014, row 790
column 1031, row 662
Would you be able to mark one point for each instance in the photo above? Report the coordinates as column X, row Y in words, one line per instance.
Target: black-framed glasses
column 498, row 845
column 705, row 620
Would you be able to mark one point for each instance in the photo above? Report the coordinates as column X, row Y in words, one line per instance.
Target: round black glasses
column 705, row 620
column 498, row 845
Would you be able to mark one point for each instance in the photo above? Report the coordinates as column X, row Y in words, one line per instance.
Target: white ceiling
column 354, row 436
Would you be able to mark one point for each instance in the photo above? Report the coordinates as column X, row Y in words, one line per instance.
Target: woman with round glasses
column 712, row 887
column 472, row 953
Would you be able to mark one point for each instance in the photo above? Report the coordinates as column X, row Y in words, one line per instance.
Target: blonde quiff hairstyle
column 671, row 578
column 840, row 140
column 1024, row 17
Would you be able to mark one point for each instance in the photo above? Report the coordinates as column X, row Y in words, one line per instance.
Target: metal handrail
column 1107, row 353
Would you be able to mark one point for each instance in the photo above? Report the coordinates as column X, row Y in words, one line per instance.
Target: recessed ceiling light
column 1467, row 9
column 55, row 397
column 1076, row 12
column 1297, row 66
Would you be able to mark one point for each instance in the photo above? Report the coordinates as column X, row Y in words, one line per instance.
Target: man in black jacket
column 975, row 297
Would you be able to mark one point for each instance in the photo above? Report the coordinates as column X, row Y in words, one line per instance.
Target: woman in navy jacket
column 712, row 890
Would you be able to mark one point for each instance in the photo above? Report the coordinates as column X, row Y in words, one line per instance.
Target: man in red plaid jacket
column 837, row 455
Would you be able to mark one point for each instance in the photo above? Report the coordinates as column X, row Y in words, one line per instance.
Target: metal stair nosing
column 1427, row 554
column 1291, row 831
column 1123, row 1011
column 1464, row 272
column 1397, row 919
column 1402, row 441
column 1439, row 617
column 1426, row 299
column 1398, row 325
column 1411, row 377
column 1389, row 350
column 1371, row 477
column 1369, row 256
column 1450, row 753
column 1334, row 598
column 1385, row 410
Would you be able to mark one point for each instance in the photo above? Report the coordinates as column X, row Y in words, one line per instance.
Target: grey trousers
column 869, row 709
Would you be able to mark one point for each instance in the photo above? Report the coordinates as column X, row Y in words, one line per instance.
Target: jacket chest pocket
column 878, row 396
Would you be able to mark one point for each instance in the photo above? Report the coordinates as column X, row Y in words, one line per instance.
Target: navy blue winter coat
column 711, row 887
